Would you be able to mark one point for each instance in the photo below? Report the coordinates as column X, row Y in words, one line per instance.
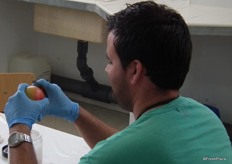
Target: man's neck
column 149, row 102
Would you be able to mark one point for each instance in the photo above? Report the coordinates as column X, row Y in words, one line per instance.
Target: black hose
column 85, row 71
column 103, row 93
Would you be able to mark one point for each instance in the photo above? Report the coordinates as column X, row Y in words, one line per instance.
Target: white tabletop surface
column 58, row 147
column 200, row 17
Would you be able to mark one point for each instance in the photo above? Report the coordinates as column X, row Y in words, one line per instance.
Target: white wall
column 16, row 30
column 209, row 80
column 210, row 77
column 62, row 54
column 215, row 3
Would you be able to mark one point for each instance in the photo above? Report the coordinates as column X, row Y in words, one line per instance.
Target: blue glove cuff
column 73, row 113
column 24, row 121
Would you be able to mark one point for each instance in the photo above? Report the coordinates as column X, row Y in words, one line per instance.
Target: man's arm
column 23, row 153
column 21, row 113
column 92, row 129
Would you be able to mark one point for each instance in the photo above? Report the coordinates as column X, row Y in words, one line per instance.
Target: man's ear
column 136, row 71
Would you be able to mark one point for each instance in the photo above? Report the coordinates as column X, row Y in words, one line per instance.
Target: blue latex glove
column 21, row 109
column 59, row 104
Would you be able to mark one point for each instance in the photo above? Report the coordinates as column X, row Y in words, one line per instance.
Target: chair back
column 9, row 83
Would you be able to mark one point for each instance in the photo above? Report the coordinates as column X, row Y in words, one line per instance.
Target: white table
column 58, row 147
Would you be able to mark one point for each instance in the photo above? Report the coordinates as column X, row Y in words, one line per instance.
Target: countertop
column 201, row 19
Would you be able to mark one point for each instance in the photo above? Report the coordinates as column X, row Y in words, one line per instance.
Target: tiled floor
column 116, row 119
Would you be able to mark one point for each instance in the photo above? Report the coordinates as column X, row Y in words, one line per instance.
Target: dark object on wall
column 227, row 126
column 214, row 109
column 229, row 130
column 102, row 93
column 85, row 71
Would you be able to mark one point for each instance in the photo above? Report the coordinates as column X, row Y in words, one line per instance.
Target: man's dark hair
column 158, row 37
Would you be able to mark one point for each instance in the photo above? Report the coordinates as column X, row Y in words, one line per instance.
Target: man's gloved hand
column 59, row 104
column 21, row 109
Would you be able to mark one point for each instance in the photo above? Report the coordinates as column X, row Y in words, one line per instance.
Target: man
column 149, row 53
